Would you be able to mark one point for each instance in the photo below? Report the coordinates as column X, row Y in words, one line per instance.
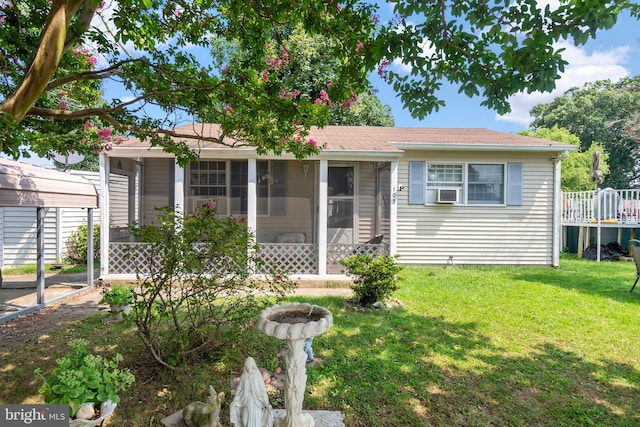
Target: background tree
column 576, row 167
column 602, row 112
column 311, row 66
column 148, row 49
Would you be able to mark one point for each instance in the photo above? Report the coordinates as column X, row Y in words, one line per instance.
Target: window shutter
column 416, row 182
column 514, row 183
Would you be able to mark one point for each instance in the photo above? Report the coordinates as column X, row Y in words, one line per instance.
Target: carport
column 23, row 185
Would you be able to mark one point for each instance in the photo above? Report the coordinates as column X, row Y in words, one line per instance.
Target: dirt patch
column 55, row 316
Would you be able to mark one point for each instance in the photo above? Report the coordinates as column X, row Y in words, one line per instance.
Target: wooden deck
column 598, row 209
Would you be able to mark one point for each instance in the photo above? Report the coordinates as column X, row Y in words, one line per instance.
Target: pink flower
column 359, row 46
column 324, row 96
column 88, row 124
column 329, row 85
column 318, row 101
column 60, row 94
column 63, row 105
column 265, row 76
column 339, row 7
column 312, row 143
column 76, row 52
column 1, row 19
column 283, row 93
column 105, row 134
column 92, row 60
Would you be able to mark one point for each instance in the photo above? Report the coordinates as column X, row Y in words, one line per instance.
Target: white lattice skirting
column 292, row 258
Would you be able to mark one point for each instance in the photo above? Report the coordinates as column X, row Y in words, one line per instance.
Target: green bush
column 196, row 279
column 375, row 278
column 77, row 244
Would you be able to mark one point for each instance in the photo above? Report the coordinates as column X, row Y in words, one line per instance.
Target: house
column 436, row 196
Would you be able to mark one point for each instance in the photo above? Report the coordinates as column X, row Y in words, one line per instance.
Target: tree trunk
column 45, row 61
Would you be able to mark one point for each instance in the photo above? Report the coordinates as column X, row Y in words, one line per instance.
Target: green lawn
column 471, row 347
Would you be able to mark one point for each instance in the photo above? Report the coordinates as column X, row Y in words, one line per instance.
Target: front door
column 340, row 209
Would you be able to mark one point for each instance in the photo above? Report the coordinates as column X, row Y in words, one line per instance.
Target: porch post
column 104, row 215
column 178, row 189
column 252, row 198
column 322, row 217
column 393, row 215
column 40, row 279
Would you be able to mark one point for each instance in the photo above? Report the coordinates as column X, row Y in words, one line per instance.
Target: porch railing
column 607, row 205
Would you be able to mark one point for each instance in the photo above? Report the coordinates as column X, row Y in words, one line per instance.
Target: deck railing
column 607, row 206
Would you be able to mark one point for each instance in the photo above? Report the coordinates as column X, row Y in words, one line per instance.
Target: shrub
column 77, row 244
column 195, row 280
column 375, row 278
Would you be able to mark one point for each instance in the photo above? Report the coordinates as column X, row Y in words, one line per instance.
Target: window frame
column 423, row 192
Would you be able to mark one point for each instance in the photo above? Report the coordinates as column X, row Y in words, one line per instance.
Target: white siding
column 20, row 236
column 366, row 209
column 509, row 235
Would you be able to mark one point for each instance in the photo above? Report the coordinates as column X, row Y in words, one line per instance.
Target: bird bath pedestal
column 294, row 323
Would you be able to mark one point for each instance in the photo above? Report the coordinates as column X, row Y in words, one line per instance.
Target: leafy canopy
column 603, row 112
column 83, row 74
column 577, row 166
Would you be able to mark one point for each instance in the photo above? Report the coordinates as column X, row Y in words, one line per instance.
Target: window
column 485, row 184
column 219, row 182
column 477, row 184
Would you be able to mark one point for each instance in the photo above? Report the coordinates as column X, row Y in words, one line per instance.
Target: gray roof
column 389, row 141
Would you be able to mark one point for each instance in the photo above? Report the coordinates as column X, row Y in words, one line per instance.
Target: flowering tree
column 57, row 57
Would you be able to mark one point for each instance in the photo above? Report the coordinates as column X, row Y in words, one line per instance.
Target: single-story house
column 431, row 196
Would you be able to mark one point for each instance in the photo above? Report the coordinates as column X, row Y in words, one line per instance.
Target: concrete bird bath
column 294, row 323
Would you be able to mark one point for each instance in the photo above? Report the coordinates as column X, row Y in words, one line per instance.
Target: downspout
column 557, row 227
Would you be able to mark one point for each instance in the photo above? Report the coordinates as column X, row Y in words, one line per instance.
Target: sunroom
column 306, row 215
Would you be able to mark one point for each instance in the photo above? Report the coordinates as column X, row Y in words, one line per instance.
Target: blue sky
column 613, row 54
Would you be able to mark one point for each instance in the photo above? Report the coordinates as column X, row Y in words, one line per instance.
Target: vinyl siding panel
column 20, row 236
column 509, row 235
column 366, row 202
column 118, row 200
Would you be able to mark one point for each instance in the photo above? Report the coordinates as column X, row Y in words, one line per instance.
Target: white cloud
column 582, row 68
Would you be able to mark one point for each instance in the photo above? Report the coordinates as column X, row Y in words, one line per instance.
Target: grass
column 471, row 347
column 48, row 268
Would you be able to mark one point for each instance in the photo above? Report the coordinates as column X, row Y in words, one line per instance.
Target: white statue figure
column 199, row 414
column 250, row 406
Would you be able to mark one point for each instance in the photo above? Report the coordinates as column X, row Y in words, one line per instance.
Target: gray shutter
column 514, row 183
column 416, row 182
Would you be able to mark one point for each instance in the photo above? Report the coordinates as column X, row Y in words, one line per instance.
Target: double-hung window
column 475, row 183
column 222, row 183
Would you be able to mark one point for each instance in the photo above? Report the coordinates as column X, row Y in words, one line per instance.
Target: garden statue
column 199, row 414
column 250, row 406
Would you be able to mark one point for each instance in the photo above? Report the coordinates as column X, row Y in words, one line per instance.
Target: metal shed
column 23, row 185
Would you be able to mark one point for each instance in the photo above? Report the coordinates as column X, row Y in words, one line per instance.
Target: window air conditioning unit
column 447, row 195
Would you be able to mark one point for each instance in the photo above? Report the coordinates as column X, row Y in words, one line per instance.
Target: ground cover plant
column 471, row 346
